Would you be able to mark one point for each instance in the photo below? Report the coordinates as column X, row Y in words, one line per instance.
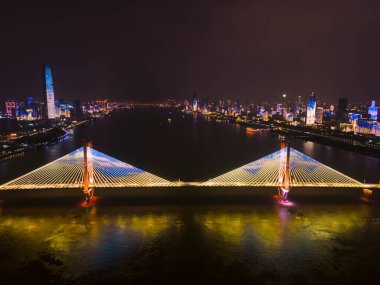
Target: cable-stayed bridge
column 268, row 172
column 88, row 168
column 68, row 172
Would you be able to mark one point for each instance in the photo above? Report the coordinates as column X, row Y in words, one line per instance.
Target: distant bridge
column 88, row 168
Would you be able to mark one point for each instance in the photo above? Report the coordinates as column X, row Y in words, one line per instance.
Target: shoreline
column 61, row 133
column 341, row 142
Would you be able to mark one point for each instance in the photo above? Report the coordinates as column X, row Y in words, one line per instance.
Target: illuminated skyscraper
column 10, row 109
column 265, row 116
column 298, row 107
column 279, row 108
column 49, row 112
column 205, row 105
column 341, row 113
column 372, row 111
column 319, row 115
column 311, row 108
column 238, row 107
column 195, row 103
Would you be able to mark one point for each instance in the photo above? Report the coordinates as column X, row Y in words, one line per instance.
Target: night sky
column 149, row 50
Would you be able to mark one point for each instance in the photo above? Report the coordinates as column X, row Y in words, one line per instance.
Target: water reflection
column 73, row 237
column 272, row 229
column 71, row 244
column 295, row 240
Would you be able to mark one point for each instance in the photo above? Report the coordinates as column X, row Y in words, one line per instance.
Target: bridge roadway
column 240, row 184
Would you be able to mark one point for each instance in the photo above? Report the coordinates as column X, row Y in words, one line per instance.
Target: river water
column 46, row 237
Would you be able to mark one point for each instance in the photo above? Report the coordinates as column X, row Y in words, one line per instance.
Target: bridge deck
column 108, row 172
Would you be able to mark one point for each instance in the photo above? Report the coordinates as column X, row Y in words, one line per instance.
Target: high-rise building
column 298, row 106
column 30, row 101
column 35, row 106
column 311, row 108
column 77, row 109
column 204, row 105
column 342, row 105
column 341, row 113
column 10, row 109
column 238, row 107
column 319, row 115
column 373, row 111
column 265, row 116
column 50, row 111
column 195, row 103
column 279, row 108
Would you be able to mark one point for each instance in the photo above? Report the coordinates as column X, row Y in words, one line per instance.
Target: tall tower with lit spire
column 311, row 108
column 48, row 95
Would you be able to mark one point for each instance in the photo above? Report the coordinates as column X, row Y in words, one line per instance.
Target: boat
column 250, row 130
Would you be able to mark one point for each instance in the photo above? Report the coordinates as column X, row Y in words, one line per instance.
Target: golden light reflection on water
column 111, row 235
column 64, row 234
column 272, row 229
column 147, row 226
column 235, row 228
column 325, row 225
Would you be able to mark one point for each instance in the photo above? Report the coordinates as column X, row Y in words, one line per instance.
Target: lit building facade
column 50, row 111
column 195, row 104
column 367, row 127
column 319, row 115
column 265, row 116
column 373, row 111
column 279, row 108
column 10, row 108
column 311, row 109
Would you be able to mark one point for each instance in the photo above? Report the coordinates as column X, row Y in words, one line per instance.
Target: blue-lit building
column 367, row 127
column 50, row 110
column 238, row 107
column 195, row 103
column 34, row 108
column 311, row 109
column 373, row 111
column 354, row 116
column 205, row 105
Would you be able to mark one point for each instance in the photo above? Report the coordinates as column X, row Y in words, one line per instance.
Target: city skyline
column 170, row 50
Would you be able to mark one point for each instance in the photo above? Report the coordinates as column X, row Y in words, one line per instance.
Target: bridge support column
column 367, row 195
column 283, row 190
column 88, row 175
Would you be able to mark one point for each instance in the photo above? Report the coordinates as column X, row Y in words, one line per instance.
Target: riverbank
column 15, row 146
column 351, row 142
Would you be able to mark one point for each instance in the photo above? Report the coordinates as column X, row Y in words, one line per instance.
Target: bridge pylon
column 367, row 195
column 284, row 172
column 88, row 174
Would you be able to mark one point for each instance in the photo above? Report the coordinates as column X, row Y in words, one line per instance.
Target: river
column 46, row 237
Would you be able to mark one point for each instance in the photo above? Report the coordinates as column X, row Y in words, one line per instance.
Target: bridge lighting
column 67, row 172
column 304, row 172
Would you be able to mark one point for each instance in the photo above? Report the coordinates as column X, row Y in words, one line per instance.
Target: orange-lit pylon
column 88, row 175
column 284, row 174
column 367, row 195
column 281, row 169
